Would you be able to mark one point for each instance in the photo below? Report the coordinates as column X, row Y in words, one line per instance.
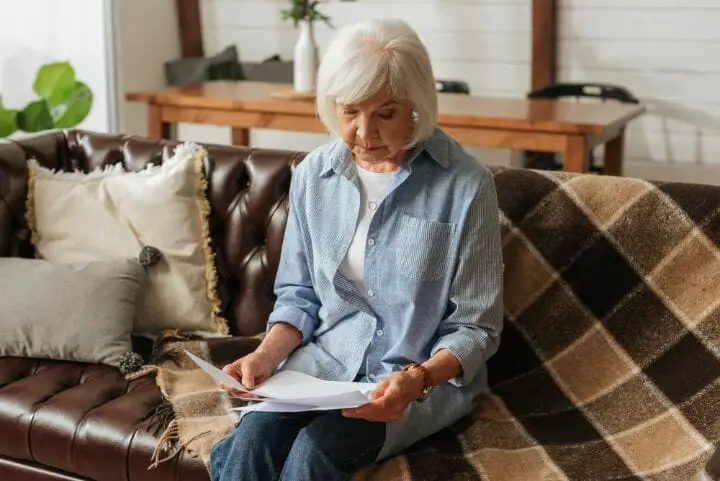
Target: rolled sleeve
column 471, row 331
column 296, row 317
column 296, row 304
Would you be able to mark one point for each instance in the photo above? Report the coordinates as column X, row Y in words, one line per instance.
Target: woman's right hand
column 250, row 370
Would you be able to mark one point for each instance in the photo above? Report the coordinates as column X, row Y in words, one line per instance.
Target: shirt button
column 371, row 293
column 372, row 204
column 371, row 242
column 380, row 332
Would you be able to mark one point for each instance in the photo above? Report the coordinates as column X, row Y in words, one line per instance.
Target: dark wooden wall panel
column 190, row 28
column 544, row 43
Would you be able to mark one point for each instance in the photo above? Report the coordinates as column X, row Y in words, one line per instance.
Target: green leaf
column 35, row 117
column 73, row 109
column 8, row 121
column 300, row 10
column 54, row 81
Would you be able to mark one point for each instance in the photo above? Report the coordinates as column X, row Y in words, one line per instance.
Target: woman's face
column 377, row 129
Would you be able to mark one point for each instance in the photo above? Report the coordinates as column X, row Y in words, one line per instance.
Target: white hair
column 369, row 55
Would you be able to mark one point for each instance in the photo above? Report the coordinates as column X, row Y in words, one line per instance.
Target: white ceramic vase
column 305, row 63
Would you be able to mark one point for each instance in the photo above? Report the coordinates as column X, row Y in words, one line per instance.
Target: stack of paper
column 292, row 391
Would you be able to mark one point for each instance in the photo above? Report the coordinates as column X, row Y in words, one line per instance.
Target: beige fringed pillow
column 111, row 213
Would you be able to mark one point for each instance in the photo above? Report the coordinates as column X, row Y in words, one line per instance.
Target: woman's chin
column 372, row 156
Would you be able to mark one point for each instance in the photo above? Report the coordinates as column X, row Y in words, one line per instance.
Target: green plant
column 64, row 102
column 304, row 10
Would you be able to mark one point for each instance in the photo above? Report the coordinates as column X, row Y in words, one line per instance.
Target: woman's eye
column 387, row 115
column 349, row 113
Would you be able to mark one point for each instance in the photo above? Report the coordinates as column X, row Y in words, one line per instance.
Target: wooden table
column 566, row 127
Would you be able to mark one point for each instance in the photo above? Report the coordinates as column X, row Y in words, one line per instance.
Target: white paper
column 217, row 374
column 293, row 386
column 284, row 407
column 292, row 391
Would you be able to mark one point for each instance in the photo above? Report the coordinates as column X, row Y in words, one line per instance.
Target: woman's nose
column 365, row 129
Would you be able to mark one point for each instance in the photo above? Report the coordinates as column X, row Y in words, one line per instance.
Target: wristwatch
column 429, row 385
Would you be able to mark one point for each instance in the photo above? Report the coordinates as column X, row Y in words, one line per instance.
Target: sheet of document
column 284, row 407
column 291, row 390
column 217, row 374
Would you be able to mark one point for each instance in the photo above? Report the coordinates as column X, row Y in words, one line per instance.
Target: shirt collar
column 437, row 146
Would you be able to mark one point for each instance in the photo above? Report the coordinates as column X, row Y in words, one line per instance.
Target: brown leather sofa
column 72, row 421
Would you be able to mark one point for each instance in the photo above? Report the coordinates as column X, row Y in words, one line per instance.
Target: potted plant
column 303, row 14
column 64, row 102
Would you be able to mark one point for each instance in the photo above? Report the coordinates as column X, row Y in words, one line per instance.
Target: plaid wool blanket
column 609, row 365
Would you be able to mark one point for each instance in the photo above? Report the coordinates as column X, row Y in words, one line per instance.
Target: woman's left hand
column 390, row 398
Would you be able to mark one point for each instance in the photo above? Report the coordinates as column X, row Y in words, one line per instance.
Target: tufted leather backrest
column 248, row 191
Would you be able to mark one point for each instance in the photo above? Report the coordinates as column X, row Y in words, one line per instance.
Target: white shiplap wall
column 484, row 42
column 667, row 52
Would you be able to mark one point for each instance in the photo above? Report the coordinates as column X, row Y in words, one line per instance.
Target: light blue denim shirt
column 433, row 276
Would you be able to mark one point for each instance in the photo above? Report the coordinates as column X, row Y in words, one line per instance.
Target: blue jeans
column 308, row 446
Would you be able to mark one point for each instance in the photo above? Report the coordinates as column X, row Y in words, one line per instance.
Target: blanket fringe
column 170, row 441
column 144, row 371
column 161, row 415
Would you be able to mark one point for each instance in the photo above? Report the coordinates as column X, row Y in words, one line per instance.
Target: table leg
column 157, row 128
column 575, row 154
column 241, row 136
column 613, row 156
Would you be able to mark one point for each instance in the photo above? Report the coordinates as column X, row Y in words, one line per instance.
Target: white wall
column 668, row 53
column 145, row 36
column 484, row 42
column 35, row 32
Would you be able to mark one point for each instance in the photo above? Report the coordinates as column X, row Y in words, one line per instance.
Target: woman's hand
column 250, row 371
column 390, row 397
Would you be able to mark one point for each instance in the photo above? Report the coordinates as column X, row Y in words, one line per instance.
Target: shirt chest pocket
column 424, row 248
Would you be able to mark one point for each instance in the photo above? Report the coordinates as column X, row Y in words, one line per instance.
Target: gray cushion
column 77, row 312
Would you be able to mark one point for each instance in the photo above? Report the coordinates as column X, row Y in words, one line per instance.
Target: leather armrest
column 223, row 350
column 226, row 350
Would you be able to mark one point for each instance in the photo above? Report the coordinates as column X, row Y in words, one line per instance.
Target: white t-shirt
column 373, row 188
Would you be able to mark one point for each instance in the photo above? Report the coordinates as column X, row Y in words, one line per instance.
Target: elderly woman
column 390, row 272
